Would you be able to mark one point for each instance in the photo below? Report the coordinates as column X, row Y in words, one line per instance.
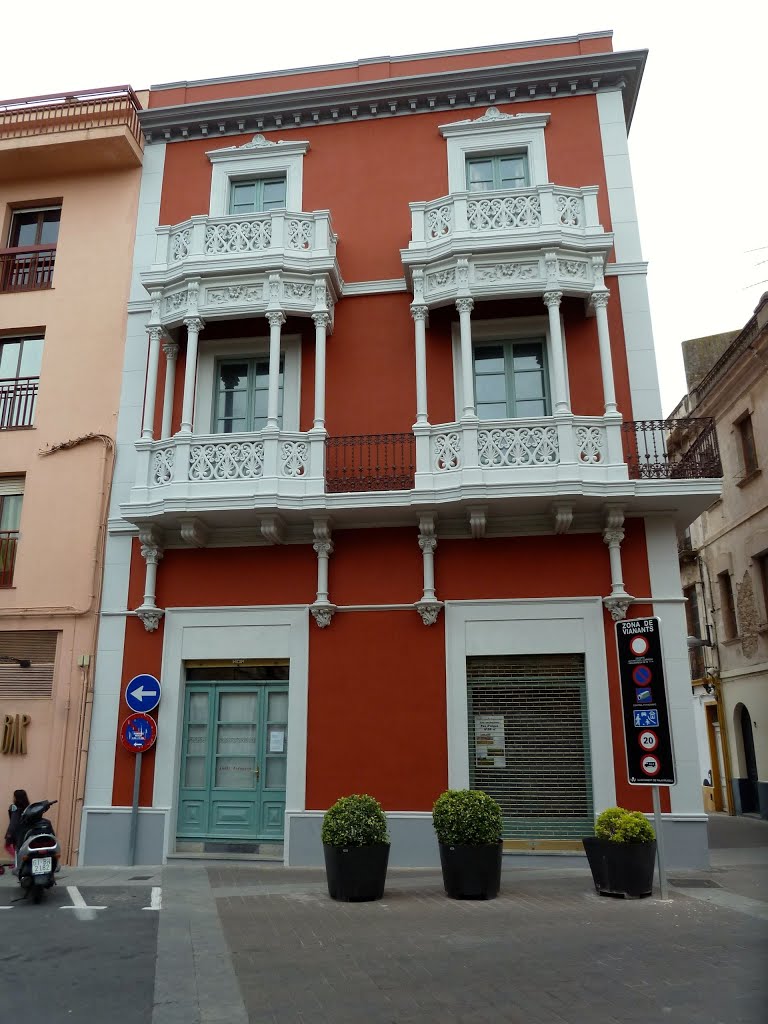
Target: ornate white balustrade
column 503, row 451
column 239, row 265
column 208, row 471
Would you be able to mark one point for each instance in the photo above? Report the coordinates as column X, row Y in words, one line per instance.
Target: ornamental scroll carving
column 234, row 293
column 501, row 214
column 236, row 460
column 503, row 447
column 507, row 272
column 446, row 452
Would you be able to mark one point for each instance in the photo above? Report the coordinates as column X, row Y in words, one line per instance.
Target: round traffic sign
column 642, row 675
column 142, row 694
column 648, row 740
column 638, row 645
column 138, row 733
column 650, row 764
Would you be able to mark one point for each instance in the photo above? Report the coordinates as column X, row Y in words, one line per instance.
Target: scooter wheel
column 37, row 894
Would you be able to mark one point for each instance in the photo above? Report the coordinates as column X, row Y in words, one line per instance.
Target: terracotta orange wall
column 367, row 172
column 373, row 70
column 380, row 676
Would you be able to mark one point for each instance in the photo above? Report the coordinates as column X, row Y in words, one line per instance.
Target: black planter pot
column 621, row 869
column 356, row 874
column 471, row 872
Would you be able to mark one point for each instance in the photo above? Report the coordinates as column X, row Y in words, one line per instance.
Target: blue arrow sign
column 142, row 694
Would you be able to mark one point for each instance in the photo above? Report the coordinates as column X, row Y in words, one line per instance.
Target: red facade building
column 391, row 460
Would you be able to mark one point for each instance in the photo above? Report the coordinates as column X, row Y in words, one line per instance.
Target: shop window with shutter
column 27, row 659
column 529, row 743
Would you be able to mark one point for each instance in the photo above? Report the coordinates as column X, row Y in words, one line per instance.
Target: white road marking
column 155, row 899
column 82, row 911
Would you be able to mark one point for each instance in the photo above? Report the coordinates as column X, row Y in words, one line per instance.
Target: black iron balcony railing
column 370, row 462
column 674, row 449
column 9, row 540
column 18, row 397
column 26, row 269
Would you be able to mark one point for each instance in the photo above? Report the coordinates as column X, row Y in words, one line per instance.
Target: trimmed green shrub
column 356, row 820
column 466, row 817
column 622, row 826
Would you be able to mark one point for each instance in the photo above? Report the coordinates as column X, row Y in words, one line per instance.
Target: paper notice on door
column 490, row 751
column 277, row 741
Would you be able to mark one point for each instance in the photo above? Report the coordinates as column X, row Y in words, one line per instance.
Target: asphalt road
column 80, row 966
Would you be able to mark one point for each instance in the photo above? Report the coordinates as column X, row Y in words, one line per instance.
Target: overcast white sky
column 699, row 140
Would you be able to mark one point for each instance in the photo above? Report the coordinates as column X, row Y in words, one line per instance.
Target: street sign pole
column 135, row 811
column 659, row 843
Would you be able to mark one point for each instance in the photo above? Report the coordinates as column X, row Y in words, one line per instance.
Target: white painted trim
column 221, row 632
column 518, row 133
column 581, row 619
column 618, row 269
column 234, row 163
column 111, row 644
column 664, row 571
column 386, row 285
column 510, row 328
column 211, row 351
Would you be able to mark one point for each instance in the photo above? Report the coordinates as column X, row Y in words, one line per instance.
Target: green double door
column 233, row 762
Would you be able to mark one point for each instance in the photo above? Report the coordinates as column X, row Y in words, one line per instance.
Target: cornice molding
column 397, row 97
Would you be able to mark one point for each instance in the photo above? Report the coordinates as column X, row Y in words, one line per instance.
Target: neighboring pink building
column 70, row 168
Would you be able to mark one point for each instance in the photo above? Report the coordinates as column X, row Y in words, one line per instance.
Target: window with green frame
column 511, row 379
column 507, row 170
column 240, row 402
column 257, row 195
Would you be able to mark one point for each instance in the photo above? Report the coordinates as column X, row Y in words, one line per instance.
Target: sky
column 698, row 142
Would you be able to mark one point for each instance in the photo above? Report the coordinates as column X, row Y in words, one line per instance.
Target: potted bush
column 622, row 853
column 468, row 826
column 356, row 848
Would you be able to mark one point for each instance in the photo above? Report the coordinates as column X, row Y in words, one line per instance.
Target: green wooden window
column 511, row 379
column 242, row 387
column 257, row 195
column 508, row 170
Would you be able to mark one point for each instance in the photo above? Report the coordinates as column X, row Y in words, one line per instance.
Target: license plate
column 41, row 865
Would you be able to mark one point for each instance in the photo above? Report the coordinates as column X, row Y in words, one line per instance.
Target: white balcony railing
column 498, row 450
column 235, row 465
column 470, row 217
column 260, row 235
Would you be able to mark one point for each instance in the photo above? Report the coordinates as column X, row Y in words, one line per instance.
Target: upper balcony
column 244, row 263
column 513, row 242
column 95, row 130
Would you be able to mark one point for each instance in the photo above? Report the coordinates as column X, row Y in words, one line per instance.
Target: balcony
column 9, row 540
column 674, row 449
column 517, row 241
column 370, row 462
column 243, row 263
column 85, row 131
column 27, row 269
column 18, row 397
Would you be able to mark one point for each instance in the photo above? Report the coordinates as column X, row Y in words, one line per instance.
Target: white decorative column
column 322, row 320
column 420, row 314
column 276, row 319
column 322, row 610
column 552, row 300
column 465, row 307
column 428, row 607
column 151, row 552
column 170, row 351
column 618, row 600
column 155, row 332
column 599, row 302
column 193, row 325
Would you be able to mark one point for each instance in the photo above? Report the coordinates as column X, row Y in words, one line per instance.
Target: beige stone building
column 70, row 168
column 724, row 568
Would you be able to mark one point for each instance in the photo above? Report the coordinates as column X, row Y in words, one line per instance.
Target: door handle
column 257, row 771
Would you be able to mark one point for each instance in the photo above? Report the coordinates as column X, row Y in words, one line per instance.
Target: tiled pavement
column 547, row 951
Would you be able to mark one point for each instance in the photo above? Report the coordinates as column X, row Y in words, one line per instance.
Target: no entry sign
column 647, row 737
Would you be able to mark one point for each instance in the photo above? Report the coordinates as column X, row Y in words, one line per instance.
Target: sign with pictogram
column 647, row 736
column 142, row 694
column 138, row 733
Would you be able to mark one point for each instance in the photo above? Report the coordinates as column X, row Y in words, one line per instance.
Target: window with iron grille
column 27, row 263
column 11, row 499
column 20, row 361
column 543, row 778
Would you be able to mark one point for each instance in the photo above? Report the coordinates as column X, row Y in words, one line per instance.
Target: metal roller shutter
column 541, row 772
column 35, row 646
